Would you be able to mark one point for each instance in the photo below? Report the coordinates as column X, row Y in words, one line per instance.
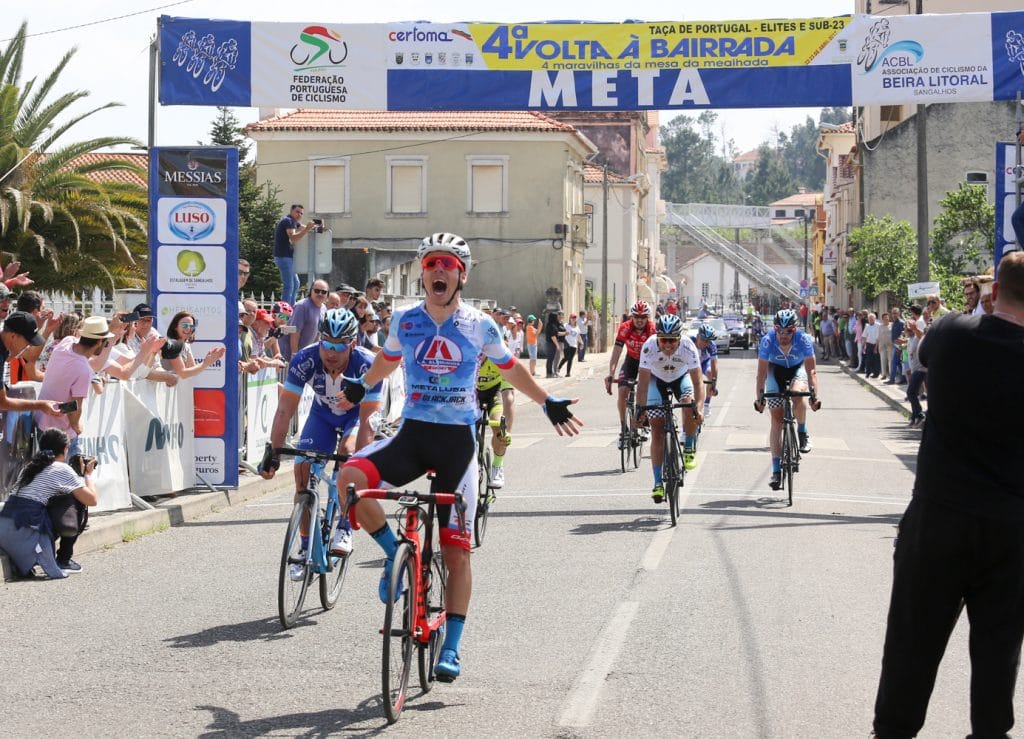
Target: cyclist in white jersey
column 440, row 340
column 670, row 365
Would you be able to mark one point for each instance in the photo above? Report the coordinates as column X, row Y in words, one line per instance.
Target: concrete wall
column 961, row 138
column 514, row 260
column 623, row 237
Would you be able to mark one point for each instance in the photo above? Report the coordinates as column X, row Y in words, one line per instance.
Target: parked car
column 721, row 332
column 739, row 332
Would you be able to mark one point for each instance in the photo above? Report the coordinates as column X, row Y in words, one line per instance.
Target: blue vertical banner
column 193, row 248
column 1006, row 199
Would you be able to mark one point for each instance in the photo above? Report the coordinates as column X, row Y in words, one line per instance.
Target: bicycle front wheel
column 333, row 580
column 483, row 496
column 398, row 634
column 672, row 473
column 790, row 461
column 295, row 571
column 431, row 651
column 625, row 442
column 638, row 448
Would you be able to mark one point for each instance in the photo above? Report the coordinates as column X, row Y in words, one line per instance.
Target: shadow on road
column 239, row 522
column 553, row 514
column 332, row 722
column 263, row 629
column 643, row 524
column 594, row 473
column 770, row 507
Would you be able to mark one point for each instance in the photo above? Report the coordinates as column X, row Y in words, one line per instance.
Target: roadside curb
column 896, row 399
column 123, row 527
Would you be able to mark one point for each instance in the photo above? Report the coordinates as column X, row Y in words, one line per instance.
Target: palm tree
column 59, row 214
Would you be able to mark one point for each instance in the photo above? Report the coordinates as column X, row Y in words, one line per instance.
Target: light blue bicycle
column 320, row 517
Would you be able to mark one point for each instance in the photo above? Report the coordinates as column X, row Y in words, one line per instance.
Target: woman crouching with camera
column 27, row 532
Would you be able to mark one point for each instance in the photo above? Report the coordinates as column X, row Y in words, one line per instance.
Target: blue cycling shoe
column 385, row 580
column 447, row 668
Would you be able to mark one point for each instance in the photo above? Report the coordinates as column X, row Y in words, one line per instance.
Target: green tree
column 963, row 235
column 67, row 224
column 259, row 208
column 696, row 173
column 770, row 179
column 884, row 257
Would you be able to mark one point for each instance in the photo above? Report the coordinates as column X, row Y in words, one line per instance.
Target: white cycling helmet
column 446, row 242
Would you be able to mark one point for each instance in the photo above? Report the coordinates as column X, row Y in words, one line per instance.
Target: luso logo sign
column 318, row 47
column 191, row 221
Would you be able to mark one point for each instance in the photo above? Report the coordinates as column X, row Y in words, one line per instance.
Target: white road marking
column 761, row 441
column 593, row 442
column 900, row 446
column 808, row 457
column 656, row 549
column 579, row 706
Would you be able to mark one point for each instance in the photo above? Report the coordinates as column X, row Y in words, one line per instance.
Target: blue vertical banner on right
column 1006, row 199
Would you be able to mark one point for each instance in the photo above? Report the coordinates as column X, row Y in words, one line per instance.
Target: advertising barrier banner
column 160, row 446
column 104, row 438
column 261, row 404
column 800, row 62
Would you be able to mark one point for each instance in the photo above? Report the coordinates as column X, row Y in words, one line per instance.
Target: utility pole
column 921, row 126
column 604, row 260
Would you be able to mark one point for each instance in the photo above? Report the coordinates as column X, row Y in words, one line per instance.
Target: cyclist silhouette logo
column 1015, row 48
column 877, row 47
column 438, row 355
column 318, row 42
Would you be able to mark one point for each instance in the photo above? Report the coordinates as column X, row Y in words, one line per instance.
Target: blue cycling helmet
column 786, row 318
column 669, row 326
column 706, row 331
column 339, row 323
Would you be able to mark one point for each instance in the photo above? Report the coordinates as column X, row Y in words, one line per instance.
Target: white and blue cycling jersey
column 441, row 361
column 306, row 368
column 706, row 355
column 801, row 348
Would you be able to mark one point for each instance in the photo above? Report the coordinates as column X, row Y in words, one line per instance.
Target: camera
column 319, row 225
column 80, row 463
column 130, row 317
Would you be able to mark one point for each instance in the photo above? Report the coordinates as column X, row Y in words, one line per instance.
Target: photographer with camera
column 288, row 232
column 31, row 520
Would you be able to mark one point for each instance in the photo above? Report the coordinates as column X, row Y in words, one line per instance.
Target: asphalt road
column 590, row 617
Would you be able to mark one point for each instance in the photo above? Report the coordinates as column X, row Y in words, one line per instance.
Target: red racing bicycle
column 414, row 615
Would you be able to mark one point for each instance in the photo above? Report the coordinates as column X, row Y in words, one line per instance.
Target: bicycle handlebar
column 407, row 496
column 788, row 394
column 311, row 454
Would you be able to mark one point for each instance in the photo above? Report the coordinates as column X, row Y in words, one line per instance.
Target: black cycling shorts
column 419, row 446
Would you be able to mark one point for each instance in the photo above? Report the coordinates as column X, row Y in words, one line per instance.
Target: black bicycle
column 631, row 436
column 790, row 441
column 673, row 471
column 485, row 493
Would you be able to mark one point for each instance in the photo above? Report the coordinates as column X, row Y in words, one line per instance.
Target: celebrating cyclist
column 632, row 335
column 705, row 342
column 440, row 340
column 490, row 392
column 670, row 367
column 785, row 360
column 326, row 367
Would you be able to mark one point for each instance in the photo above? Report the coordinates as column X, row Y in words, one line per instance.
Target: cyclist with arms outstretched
column 333, row 420
column 632, row 335
column 669, row 366
column 785, row 360
column 440, row 340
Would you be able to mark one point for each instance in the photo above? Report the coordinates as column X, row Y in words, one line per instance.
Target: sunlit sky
column 112, row 59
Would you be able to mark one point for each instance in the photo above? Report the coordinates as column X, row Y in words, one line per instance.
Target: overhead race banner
column 803, row 62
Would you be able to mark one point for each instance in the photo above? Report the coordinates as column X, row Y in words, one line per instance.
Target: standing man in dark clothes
column 289, row 230
column 961, row 540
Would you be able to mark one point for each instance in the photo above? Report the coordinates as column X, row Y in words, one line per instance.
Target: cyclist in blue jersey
column 333, row 421
column 440, row 340
column 705, row 342
column 785, row 359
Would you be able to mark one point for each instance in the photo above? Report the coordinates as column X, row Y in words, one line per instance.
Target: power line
column 104, row 20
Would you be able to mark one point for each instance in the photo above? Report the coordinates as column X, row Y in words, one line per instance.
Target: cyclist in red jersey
column 632, row 335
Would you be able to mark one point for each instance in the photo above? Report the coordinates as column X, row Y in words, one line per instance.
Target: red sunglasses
column 446, row 260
